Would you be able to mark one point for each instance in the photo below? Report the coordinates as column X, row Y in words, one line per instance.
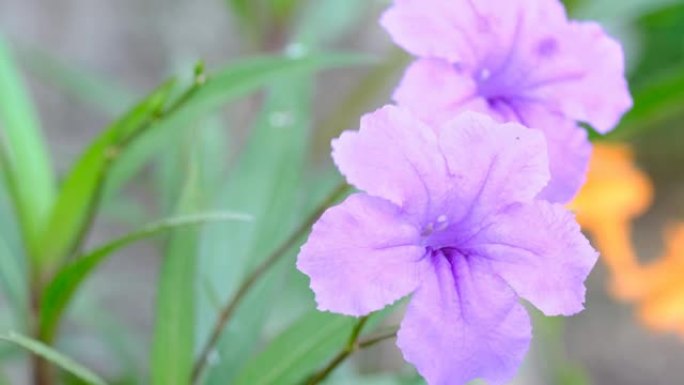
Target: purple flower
column 449, row 214
column 515, row 60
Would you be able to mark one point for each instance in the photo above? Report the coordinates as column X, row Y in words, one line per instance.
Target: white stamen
column 442, row 222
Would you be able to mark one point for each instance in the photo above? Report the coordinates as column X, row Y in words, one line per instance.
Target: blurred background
column 86, row 62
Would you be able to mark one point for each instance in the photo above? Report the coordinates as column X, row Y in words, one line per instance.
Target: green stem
column 352, row 347
column 358, row 328
column 41, row 368
column 65, row 284
column 200, row 80
column 229, row 309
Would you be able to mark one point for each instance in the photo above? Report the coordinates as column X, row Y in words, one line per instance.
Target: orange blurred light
column 615, row 194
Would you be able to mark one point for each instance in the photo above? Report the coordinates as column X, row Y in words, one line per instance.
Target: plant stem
column 352, row 347
column 200, row 80
column 229, row 309
column 42, row 371
column 358, row 328
column 39, row 366
column 65, row 284
column 372, row 340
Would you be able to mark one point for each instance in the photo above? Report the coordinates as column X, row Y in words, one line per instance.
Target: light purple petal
column 584, row 77
column 427, row 28
column 394, row 156
column 540, row 251
column 460, row 31
column 515, row 50
column 490, row 166
column 361, row 255
column 436, row 91
column 569, row 153
column 464, row 323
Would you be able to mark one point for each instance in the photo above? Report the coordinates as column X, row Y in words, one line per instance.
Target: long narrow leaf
column 62, row 288
column 30, row 174
column 13, row 277
column 13, row 266
column 299, row 350
column 54, row 356
column 233, row 82
column 84, row 182
column 265, row 183
column 174, row 333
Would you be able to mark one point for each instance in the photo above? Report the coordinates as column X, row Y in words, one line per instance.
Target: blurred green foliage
column 24, row 157
column 662, row 39
column 198, row 163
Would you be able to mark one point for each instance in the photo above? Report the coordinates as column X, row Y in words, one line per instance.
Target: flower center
column 438, row 234
column 490, row 87
column 500, row 97
column 438, row 225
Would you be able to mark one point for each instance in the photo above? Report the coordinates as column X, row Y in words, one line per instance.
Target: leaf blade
column 54, row 356
column 299, row 350
column 653, row 105
column 30, row 173
column 237, row 80
column 82, row 186
column 62, row 288
column 264, row 183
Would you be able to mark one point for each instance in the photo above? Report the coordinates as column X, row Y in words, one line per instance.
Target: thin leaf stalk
column 231, row 306
column 354, row 345
column 66, row 285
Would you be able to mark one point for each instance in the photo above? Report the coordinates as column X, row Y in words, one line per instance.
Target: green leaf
column 298, row 351
column 210, row 135
column 53, row 356
column 81, row 189
column 124, row 344
column 235, row 81
column 653, row 105
column 60, row 291
column 13, row 267
column 174, row 330
column 571, row 5
column 4, row 380
column 29, row 174
column 245, row 11
column 266, row 183
column 172, row 349
column 554, row 365
column 662, row 36
column 284, row 9
column 14, row 279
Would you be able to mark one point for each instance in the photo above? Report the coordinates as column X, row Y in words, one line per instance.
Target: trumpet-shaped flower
column 515, row 60
column 448, row 214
